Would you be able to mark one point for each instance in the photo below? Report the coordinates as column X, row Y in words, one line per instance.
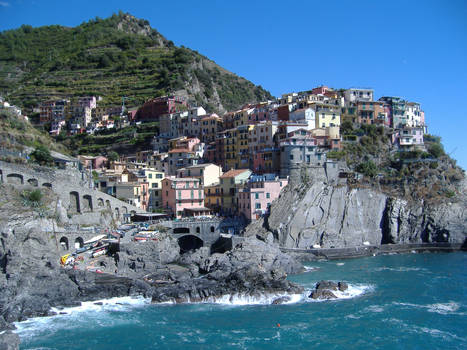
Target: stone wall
column 82, row 204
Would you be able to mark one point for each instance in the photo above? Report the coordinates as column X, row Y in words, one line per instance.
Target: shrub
column 42, row 155
column 436, row 150
column 32, row 198
column 367, row 168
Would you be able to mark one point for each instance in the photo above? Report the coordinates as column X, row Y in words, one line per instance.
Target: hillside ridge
column 113, row 57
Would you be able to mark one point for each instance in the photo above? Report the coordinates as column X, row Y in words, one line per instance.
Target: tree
column 113, row 156
column 41, row 155
column 436, row 150
column 367, row 168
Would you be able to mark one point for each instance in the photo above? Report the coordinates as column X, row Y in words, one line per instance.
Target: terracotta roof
column 180, row 150
column 233, row 173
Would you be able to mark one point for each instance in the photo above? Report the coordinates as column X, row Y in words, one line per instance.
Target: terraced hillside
column 113, row 57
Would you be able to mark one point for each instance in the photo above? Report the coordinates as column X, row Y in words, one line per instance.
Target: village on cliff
column 203, row 164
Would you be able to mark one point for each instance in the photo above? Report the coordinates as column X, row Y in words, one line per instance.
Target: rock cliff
column 335, row 216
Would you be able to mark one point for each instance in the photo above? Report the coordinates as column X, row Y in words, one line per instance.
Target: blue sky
column 413, row 49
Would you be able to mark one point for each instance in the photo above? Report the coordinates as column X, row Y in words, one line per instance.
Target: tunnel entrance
column 189, row 242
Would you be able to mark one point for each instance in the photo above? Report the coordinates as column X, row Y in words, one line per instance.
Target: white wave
column 310, row 268
column 36, row 325
column 439, row 308
column 340, row 264
column 112, row 304
column 436, row 333
column 237, row 299
column 400, row 269
column 374, row 308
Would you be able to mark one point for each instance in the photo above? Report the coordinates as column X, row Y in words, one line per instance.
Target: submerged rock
column 324, row 290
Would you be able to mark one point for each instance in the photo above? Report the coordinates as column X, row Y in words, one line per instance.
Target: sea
column 408, row 301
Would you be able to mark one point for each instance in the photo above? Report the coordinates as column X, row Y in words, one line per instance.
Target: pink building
column 409, row 137
column 320, row 90
column 256, row 196
column 183, row 197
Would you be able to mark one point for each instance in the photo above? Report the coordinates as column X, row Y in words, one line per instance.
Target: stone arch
column 198, row 229
column 47, row 184
column 107, row 203
column 189, row 242
column 16, row 179
column 87, row 202
column 64, row 243
column 79, row 243
column 124, row 210
column 100, row 202
column 74, row 202
column 117, row 213
column 212, row 229
column 33, row 182
column 178, row 230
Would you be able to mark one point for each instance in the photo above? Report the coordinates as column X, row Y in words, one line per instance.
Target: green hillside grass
column 113, row 57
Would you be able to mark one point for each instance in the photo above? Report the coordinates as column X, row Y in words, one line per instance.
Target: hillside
column 17, row 134
column 113, row 57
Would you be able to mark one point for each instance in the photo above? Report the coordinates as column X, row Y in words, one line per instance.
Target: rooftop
column 233, row 173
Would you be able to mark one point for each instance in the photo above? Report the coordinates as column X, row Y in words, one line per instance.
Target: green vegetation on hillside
column 135, row 137
column 417, row 173
column 113, row 57
column 17, row 133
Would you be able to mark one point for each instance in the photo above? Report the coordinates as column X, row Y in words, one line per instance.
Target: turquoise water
column 412, row 301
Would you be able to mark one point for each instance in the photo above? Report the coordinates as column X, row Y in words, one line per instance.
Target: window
column 149, row 176
column 256, row 195
column 258, row 205
column 154, row 185
column 232, row 180
column 268, row 195
column 180, row 194
column 192, row 194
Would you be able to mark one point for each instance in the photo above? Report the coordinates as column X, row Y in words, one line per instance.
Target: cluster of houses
column 80, row 115
column 201, row 163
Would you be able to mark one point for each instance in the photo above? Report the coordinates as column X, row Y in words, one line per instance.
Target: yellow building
column 229, row 182
column 243, row 154
column 154, row 179
column 327, row 116
column 212, row 196
column 207, row 173
column 229, row 138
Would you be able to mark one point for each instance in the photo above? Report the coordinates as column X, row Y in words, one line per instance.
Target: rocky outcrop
column 252, row 268
column 32, row 281
column 340, row 216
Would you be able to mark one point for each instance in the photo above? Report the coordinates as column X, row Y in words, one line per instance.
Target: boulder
column 342, row 286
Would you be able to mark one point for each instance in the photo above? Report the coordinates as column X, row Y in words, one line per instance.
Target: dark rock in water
column 281, row 300
column 324, row 290
column 327, row 285
column 99, row 303
column 323, row 294
column 343, row 286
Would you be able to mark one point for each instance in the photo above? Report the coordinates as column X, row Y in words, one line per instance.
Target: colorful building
column 229, row 182
column 183, row 197
column 207, row 173
column 256, row 196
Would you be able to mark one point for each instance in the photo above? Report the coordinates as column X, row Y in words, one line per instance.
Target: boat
column 95, row 239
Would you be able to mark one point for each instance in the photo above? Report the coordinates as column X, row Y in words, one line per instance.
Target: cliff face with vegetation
column 402, row 197
column 113, row 57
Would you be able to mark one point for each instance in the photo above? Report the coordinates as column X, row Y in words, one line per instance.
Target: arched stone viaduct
column 73, row 191
column 206, row 230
